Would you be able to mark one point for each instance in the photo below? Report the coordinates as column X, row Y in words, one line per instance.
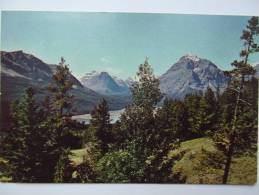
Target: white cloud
column 106, row 60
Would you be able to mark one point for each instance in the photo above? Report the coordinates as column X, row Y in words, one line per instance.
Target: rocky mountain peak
column 190, row 57
column 105, row 84
column 191, row 74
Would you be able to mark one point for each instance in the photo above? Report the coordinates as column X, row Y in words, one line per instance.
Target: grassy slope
column 194, row 164
column 77, row 156
column 197, row 167
column 3, row 165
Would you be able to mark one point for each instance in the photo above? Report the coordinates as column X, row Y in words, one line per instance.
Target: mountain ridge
column 20, row 70
column 190, row 74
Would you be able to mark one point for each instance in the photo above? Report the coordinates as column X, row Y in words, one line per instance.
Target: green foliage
column 119, row 167
column 63, row 169
column 100, row 121
column 192, row 102
column 239, row 130
column 208, row 113
column 201, row 163
column 60, row 87
column 28, row 146
column 144, row 144
column 145, row 92
column 174, row 116
column 85, row 160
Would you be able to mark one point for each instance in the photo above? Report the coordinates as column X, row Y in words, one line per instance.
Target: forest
column 206, row 137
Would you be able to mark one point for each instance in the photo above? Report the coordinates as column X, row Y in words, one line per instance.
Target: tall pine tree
column 145, row 146
column 100, row 121
column 229, row 139
column 61, row 102
column 28, row 146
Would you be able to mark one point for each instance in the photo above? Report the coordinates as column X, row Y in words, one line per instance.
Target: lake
column 114, row 116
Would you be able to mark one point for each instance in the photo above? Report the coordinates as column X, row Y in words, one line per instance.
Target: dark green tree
column 207, row 113
column 100, row 121
column 61, row 102
column 174, row 116
column 229, row 138
column 192, row 103
column 28, row 146
column 63, row 168
column 145, row 145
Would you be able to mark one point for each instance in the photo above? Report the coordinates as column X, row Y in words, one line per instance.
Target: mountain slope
column 20, row 70
column 192, row 75
column 103, row 83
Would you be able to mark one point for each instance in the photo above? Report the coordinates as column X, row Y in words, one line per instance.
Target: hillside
column 198, row 164
column 20, row 70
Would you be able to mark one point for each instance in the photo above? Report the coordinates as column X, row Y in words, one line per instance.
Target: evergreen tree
column 180, row 124
column 60, row 105
column 174, row 116
column 145, row 145
column 192, row 103
column 63, row 169
column 145, row 92
column 229, row 139
column 27, row 146
column 100, row 121
column 61, row 100
column 207, row 113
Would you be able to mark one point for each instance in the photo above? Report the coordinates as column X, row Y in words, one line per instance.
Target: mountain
column 191, row 74
column 103, row 83
column 20, row 70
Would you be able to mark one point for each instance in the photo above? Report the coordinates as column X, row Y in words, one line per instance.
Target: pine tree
column 207, row 113
column 229, row 138
column 180, row 125
column 145, row 145
column 63, row 169
column 174, row 116
column 25, row 146
column 100, row 121
column 192, row 103
column 60, row 105
column 145, row 92
column 61, row 99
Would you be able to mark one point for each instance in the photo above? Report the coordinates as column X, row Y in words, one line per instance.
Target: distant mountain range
column 103, row 83
column 190, row 74
column 20, row 70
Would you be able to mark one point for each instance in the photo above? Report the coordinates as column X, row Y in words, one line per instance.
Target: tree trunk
column 232, row 136
column 228, row 162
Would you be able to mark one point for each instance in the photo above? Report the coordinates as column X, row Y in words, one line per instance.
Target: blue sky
column 119, row 42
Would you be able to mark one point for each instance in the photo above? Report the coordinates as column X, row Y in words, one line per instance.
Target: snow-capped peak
column 105, row 84
column 191, row 57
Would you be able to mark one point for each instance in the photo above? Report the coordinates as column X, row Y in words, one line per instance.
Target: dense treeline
column 136, row 148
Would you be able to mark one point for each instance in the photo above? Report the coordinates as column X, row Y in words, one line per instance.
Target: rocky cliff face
column 191, row 74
